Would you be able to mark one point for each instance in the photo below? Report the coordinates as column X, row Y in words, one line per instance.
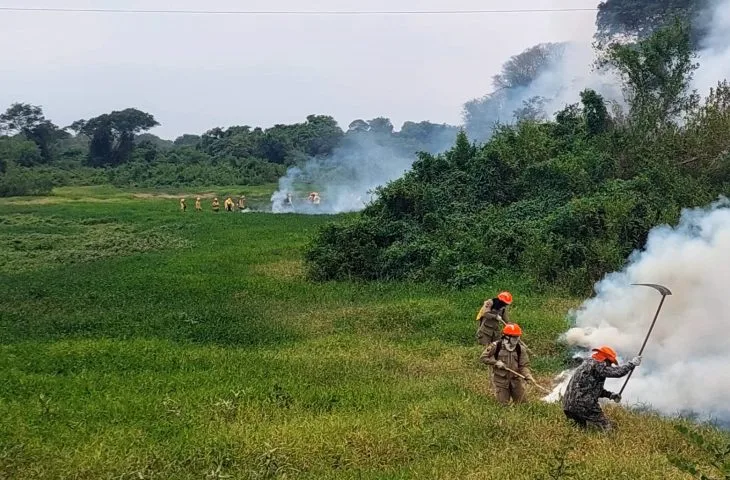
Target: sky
column 196, row 72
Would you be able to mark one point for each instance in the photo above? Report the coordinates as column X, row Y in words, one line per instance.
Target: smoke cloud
column 687, row 359
column 346, row 179
column 714, row 58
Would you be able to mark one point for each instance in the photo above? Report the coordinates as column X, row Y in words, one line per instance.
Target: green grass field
column 138, row 342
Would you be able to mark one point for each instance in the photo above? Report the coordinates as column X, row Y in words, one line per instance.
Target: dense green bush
column 561, row 201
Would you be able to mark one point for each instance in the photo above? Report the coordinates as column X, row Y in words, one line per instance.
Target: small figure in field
column 580, row 402
column 314, row 198
column 507, row 359
column 216, row 205
column 198, row 206
column 183, row 206
column 289, row 202
column 490, row 317
column 229, row 204
column 242, row 203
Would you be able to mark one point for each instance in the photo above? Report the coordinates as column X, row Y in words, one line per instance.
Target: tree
column 381, row 125
column 521, row 70
column 29, row 121
column 657, row 74
column 533, row 109
column 112, row 135
column 640, row 18
column 187, row 140
column 358, row 125
column 320, row 135
column 21, row 118
column 595, row 112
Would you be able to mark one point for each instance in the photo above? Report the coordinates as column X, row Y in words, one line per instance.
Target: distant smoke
column 346, row 180
column 714, row 58
column 686, row 362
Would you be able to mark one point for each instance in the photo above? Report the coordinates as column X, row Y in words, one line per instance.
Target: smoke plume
column 714, row 57
column 346, row 180
column 686, row 367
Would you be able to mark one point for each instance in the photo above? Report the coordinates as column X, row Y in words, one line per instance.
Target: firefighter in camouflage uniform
column 580, row 402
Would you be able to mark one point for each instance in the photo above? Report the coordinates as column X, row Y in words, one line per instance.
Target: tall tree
column 640, row 18
column 381, row 125
column 29, row 121
column 112, row 135
column 521, row 70
column 657, row 74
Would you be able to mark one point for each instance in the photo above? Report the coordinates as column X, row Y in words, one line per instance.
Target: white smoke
column 686, row 365
column 714, row 58
column 345, row 180
column 562, row 81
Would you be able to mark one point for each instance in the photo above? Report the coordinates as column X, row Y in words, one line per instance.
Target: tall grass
column 207, row 355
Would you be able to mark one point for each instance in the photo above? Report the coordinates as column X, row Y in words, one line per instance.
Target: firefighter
column 489, row 318
column 183, row 206
column 242, row 203
column 228, row 204
column 216, row 205
column 580, row 402
column 505, row 355
column 198, row 206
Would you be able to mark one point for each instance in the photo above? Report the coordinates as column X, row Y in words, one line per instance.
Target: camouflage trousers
column 590, row 419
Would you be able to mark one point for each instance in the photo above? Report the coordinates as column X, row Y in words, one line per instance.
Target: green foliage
column 561, row 202
column 138, row 341
column 506, row 103
column 641, row 18
column 28, row 121
column 716, row 456
column 20, row 181
column 112, row 135
column 657, row 74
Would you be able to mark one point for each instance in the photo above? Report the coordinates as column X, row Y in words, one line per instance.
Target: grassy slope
column 139, row 342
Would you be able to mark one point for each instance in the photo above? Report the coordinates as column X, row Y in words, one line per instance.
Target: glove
column 499, row 364
column 530, row 379
column 615, row 397
column 635, row 362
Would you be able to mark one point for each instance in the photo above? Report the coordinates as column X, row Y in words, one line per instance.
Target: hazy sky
column 195, row 72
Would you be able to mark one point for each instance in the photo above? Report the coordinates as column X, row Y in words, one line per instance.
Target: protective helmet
column 512, row 330
column 605, row 353
column 506, row 297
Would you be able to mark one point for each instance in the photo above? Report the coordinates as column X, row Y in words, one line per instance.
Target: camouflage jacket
column 586, row 385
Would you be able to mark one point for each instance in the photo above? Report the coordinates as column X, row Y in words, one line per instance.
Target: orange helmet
column 506, row 297
column 512, row 330
column 605, row 353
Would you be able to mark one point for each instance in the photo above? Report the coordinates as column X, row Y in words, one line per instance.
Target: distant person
column 216, row 205
column 288, row 202
column 229, row 204
column 316, row 199
column 490, row 317
column 198, row 206
column 183, row 206
column 242, row 203
column 504, row 355
column 580, row 402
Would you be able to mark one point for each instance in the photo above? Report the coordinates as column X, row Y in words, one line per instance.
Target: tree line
column 117, row 148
